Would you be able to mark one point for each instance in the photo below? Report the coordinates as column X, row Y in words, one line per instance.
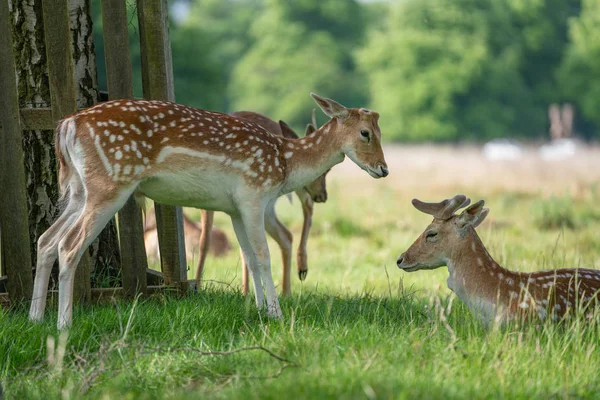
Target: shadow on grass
column 213, row 316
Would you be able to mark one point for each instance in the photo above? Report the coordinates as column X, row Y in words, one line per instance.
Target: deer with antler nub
column 491, row 292
column 179, row 155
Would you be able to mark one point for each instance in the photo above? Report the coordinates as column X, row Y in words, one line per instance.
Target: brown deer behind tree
column 219, row 243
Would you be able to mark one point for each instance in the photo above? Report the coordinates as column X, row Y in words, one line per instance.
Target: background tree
column 300, row 47
column 579, row 74
column 33, row 88
column 440, row 70
column 449, row 70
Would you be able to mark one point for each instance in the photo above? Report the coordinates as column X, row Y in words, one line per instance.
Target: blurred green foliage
column 554, row 213
column 439, row 70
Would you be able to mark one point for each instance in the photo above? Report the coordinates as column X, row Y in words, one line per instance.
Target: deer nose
column 400, row 261
column 384, row 171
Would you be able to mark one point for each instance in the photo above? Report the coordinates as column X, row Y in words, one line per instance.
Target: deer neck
column 310, row 157
column 477, row 279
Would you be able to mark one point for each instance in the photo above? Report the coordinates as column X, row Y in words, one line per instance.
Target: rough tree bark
column 32, row 79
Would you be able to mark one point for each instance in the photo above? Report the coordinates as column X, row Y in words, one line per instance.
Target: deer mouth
column 404, row 266
column 320, row 198
column 409, row 268
column 377, row 172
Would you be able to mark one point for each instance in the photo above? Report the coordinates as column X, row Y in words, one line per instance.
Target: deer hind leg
column 284, row 239
column 207, row 224
column 47, row 246
column 96, row 214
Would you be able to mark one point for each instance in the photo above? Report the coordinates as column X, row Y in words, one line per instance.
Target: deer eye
column 431, row 236
column 364, row 133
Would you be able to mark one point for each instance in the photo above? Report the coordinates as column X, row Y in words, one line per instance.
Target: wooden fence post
column 157, row 82
column 120, row 86
column 16, row 255
column 62, row 96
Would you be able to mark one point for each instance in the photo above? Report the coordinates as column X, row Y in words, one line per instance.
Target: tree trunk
column 33, row 88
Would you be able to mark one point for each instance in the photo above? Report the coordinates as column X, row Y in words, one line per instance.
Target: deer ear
column 309, row 129
column 472, row 215
column 331, row 108
column 287, row 131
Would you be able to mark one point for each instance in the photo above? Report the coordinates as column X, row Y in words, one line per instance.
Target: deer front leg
column 207, row 224
column 284, row 239
column 256, row 253
column 307, row 210
column 244, row 274
column 246, row 252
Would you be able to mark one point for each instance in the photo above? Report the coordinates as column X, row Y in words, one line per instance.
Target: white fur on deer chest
column 481, row 307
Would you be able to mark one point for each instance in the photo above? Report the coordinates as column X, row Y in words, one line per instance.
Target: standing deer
column 179, row 155
column 315, row 191
column 492, row 293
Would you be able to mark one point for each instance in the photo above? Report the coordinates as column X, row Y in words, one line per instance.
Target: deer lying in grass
column 492, row 293
column 219, row 244
column 315, row 191
column 179, row 155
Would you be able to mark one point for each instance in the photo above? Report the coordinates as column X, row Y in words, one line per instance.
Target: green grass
column 357, row 328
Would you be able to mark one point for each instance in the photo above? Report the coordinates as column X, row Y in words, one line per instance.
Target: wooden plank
column 62, row 96
column 37, row 119
column 154, row 277
column 120, row 86
column 157, row 83
column 101, row 294
column 106, row 294
column 16, row 256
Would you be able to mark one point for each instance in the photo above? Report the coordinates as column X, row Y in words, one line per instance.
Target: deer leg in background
column 207, row 224
column 284, row 239
column 307, row 210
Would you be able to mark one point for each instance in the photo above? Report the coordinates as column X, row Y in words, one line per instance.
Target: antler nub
column 444, row 209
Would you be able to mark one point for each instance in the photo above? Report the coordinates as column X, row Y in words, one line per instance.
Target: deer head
column 363, row 143
column 433, row 248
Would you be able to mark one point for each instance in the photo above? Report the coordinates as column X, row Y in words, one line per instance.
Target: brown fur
column 317, row 191
column 452, row 240
column 118, row 147
column 219, row 244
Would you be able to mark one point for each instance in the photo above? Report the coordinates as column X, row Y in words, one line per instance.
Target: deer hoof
column 302, row 274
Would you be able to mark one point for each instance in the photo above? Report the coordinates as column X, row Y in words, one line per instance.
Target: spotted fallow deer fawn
column 179, row 155
column 315, row 191
column 492, row 293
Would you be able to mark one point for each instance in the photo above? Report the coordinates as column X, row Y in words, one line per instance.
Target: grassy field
column 357, row 327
